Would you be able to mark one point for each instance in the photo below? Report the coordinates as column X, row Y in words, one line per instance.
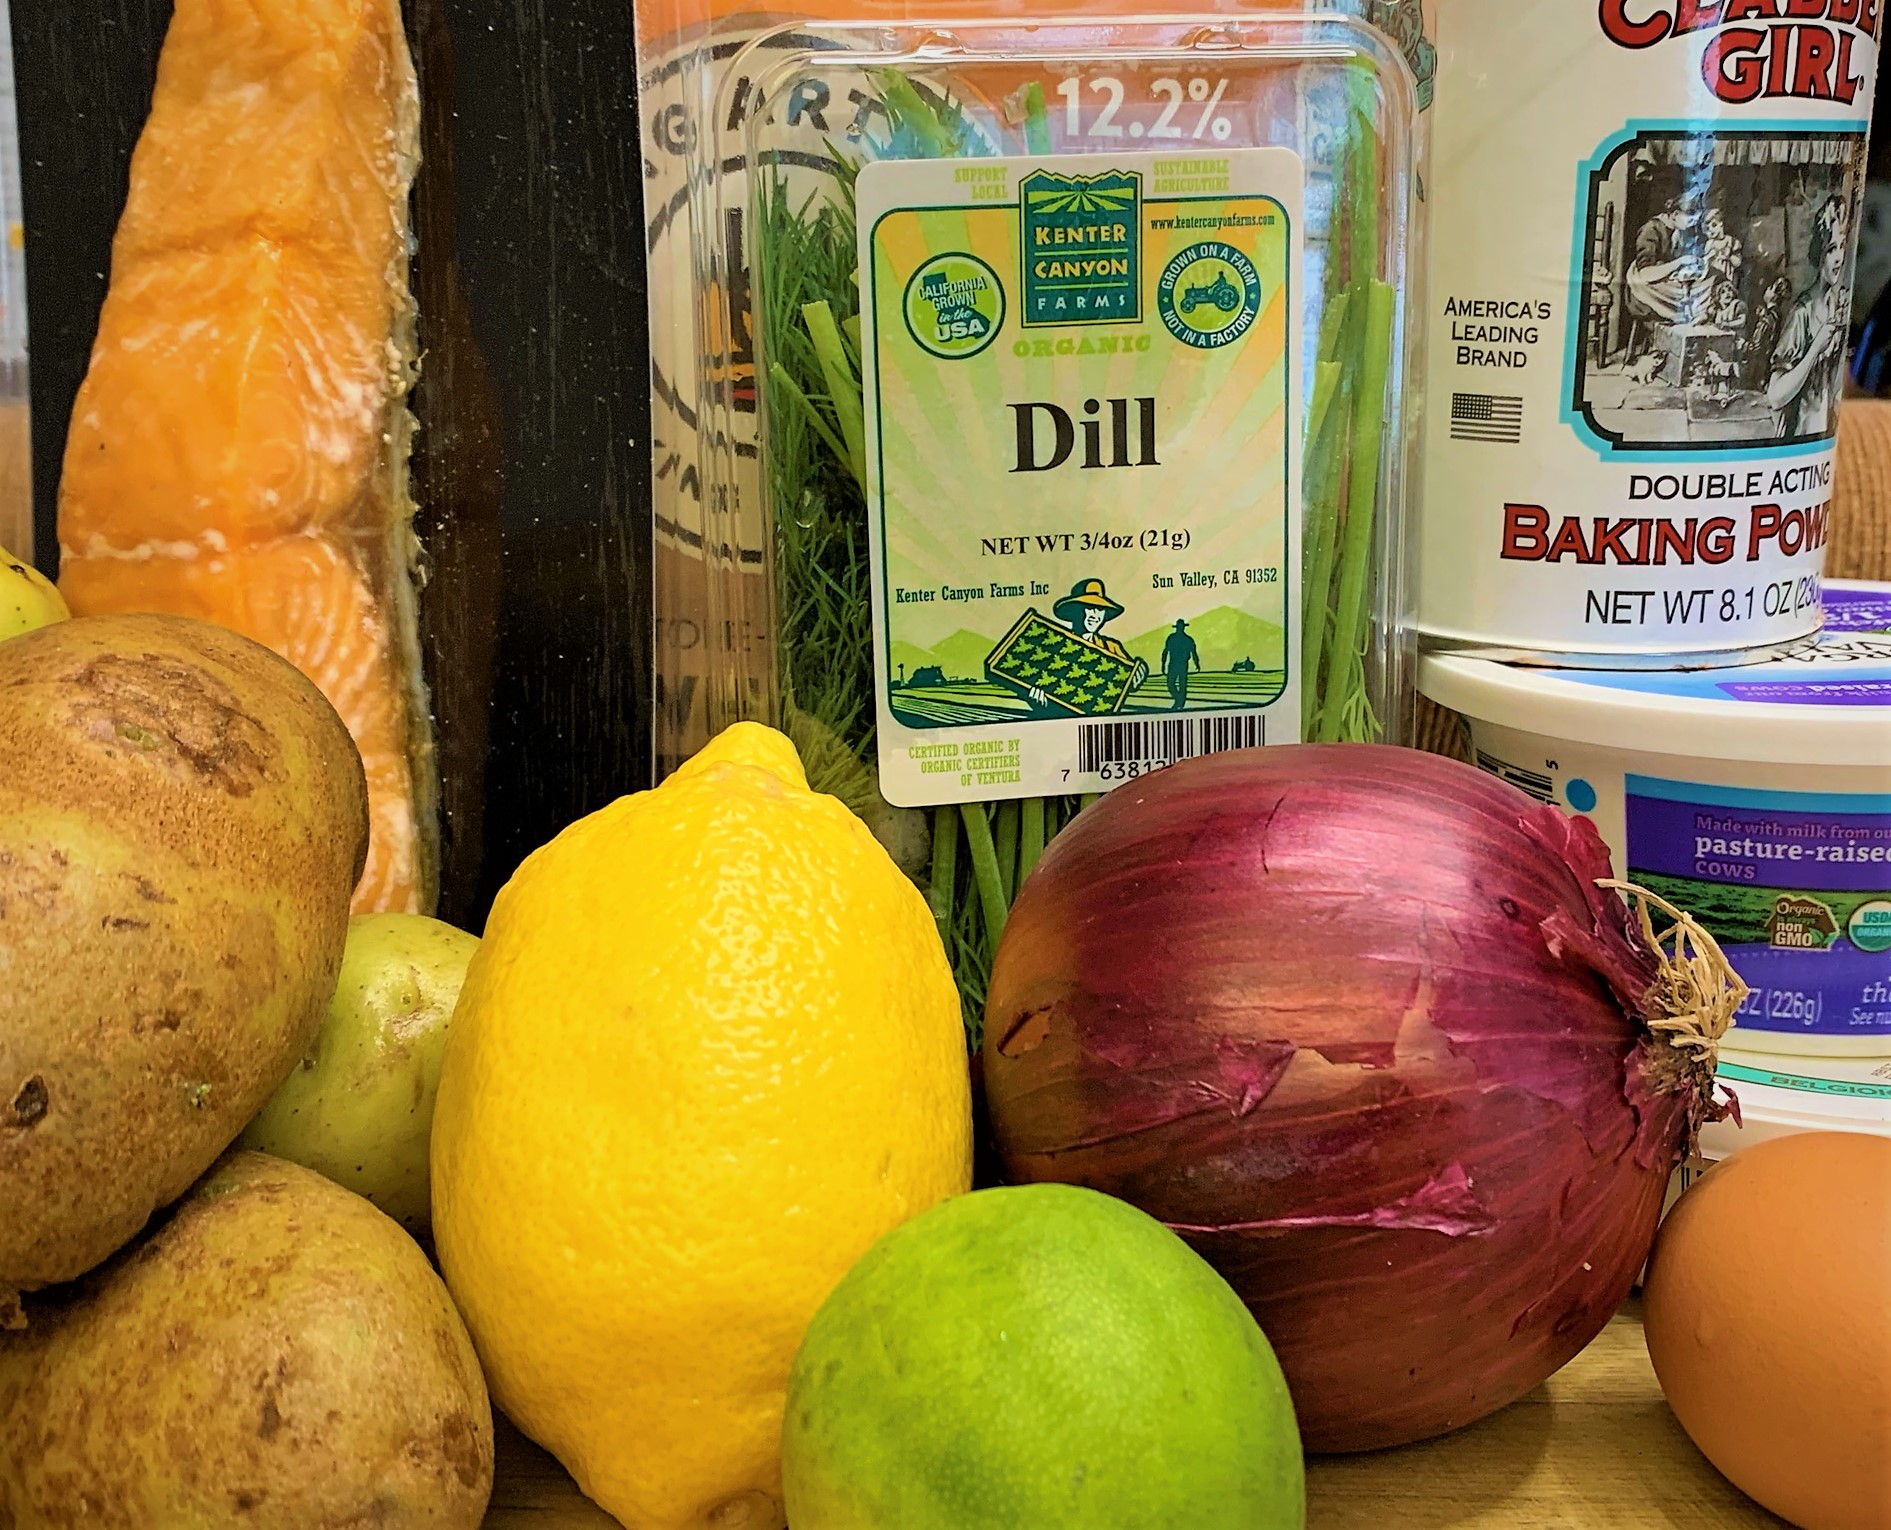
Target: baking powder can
column 1642, row 216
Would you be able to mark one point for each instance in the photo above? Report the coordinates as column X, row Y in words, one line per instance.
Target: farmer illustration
column 1177, row 654
column 1084, row 611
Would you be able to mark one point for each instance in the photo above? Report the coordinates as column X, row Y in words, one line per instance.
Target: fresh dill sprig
column 822, row 580
column 808, row 298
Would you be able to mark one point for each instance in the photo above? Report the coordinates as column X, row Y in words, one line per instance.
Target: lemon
column 28, row 599
column 708, row 1052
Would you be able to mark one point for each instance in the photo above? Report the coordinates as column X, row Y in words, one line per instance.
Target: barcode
column 1538, row 786
column 1165, row 741
column 1486, row 417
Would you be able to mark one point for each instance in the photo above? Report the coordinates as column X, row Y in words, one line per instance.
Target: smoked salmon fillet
column 238, row 451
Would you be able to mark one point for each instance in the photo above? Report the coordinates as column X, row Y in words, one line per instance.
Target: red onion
column 1359, row 1023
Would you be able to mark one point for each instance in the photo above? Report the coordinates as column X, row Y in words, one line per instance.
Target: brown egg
column 1768, row 1312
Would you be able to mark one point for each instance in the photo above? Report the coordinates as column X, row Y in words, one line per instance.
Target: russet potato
column 182, row 822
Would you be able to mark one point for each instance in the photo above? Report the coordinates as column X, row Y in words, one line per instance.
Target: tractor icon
column 1221, row 293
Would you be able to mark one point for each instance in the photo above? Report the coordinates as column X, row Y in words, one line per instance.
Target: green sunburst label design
column 1082, row 240
column 1082, row 425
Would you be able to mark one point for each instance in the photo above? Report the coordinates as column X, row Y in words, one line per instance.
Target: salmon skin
column 239, row 449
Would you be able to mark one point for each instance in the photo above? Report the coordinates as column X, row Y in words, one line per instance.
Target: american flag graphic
column 1486, row 417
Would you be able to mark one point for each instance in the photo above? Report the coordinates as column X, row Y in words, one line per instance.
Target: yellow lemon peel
column 708, row 1052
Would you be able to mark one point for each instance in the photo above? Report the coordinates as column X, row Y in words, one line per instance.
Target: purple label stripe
column 1809, row 693
column 1857, row 611
column 1760, row 847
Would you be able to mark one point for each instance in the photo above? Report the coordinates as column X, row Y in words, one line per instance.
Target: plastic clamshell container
column 1758, row 798
column 1080, row 358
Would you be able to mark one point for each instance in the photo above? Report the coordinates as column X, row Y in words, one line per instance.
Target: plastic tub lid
column 1825, row 702
column 1780, row 1096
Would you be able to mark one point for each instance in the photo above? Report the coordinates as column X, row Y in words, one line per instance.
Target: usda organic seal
column 1869, row 928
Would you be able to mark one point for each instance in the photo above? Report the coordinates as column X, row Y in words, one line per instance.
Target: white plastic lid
column 1826, row 702
column 1780, row 1096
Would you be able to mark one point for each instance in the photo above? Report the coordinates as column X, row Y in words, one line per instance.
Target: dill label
column 1080, row 448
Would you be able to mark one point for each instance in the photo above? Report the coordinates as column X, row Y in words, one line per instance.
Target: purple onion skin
column 1357, row 1022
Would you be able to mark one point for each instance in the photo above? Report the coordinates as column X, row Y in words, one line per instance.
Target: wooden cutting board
column 1594, row 1449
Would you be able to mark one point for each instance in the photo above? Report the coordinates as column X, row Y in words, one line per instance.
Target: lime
column 1042, row 1356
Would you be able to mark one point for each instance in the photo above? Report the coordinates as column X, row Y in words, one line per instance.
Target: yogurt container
column 1757, row 798
column 1824, row 1095
column 1828, row 1095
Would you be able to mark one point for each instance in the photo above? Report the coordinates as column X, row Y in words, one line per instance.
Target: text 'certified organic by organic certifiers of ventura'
column 1083, row 466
